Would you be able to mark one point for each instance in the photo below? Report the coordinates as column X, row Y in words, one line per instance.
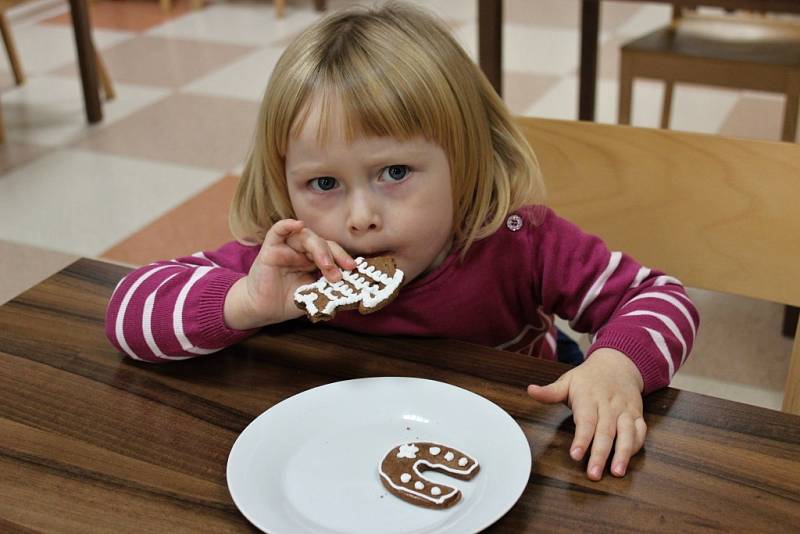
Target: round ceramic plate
column 310, row 463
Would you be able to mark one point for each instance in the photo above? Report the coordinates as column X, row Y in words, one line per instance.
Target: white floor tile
column 249, row 24
column 246, row 78
column 44, row 47
column 49, row 110
column 700, row 109
column 550, row 51
column 83, row 202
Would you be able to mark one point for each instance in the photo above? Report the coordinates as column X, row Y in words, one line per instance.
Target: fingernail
column 576, row 453
column 619, row 469
column 327, row 261
column 595, row 471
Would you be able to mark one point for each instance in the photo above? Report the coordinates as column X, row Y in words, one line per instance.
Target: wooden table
column 90, row 439
column 490, row 39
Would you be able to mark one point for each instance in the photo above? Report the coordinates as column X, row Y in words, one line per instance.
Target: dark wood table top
column 91, row 439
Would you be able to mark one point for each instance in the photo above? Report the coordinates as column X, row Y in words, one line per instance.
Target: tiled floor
column 153, row 180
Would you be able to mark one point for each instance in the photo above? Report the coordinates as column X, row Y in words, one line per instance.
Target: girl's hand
column 605, row 394
column 288, row 257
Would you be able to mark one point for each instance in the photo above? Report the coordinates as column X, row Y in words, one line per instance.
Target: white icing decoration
column 404, row 478
column 373, row 287
column 462, row 462
column 435, row 450
column 449, row 456
column 408, row 451
column 419, row 485
column 435, row 491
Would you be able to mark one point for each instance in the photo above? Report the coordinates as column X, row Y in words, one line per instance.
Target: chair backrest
column 717, row 213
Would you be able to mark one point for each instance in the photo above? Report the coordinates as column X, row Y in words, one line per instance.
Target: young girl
column 378, row 135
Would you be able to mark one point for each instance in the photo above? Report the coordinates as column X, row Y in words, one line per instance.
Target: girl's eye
column 323, row 183
column 395, row 173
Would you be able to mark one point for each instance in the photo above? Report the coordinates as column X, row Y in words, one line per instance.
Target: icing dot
column 449, row 456
column 435, row 491
column 435, row 450
column 408, row 451
column 405, row 477
column 462, row 462
column 419, row 485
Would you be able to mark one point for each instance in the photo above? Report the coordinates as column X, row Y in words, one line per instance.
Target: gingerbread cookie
column 400, row 472
column 371, row 286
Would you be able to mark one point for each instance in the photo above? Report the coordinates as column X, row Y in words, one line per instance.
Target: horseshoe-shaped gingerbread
column 401, row 472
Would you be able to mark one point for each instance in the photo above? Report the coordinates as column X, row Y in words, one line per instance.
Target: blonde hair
column 397, row 72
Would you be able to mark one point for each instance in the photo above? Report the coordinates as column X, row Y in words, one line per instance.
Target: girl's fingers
column 289, row 258
column 319, row 252
column 601, row 447
column 585, row 417
column 625, row 446
column 641, row 432
column 342, row 258
column 280, row 232
column 555, row 392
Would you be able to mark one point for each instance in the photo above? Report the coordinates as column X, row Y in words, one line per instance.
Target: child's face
column 374, row 196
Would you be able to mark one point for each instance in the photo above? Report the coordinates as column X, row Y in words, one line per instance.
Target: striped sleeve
column 174, row 310
column 626, row 306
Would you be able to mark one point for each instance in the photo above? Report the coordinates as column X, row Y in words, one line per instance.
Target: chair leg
column 2, row 129
column 625, row 89
column 279, row 5
column 790, row 118
column 11, row 50
column 320, row 5
column 105, row 79
column 791, row 315
column 166, row 5
column 791, row 393
column 666, row 107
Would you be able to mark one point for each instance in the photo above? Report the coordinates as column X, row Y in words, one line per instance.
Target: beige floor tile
column 24, row 266
column 739, row 341
column 755, row 116
column 245, row 78
column 49, row 110
column 14, row 154
column 83, row 202
column 162, row 62
column 522, row 89
column 247, row 23
column 199, row 131
column 200, row 223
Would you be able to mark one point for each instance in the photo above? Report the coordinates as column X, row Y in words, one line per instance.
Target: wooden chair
column 16, row 64
column 717, row 213
column 740, row 51
column 736, row 50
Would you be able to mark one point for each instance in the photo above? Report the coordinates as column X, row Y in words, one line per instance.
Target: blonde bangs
column 393, row 71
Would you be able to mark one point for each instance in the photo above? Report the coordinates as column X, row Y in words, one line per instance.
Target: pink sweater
column 503, row 295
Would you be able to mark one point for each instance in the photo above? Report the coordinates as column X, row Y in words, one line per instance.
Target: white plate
column 310, row 463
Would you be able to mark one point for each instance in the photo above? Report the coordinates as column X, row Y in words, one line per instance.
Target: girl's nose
column 364, row 215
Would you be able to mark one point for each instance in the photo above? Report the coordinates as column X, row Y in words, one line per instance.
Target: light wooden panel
column 718, row 213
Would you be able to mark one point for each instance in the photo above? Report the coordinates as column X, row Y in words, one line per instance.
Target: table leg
column 590, row 29
column 490, row 41
column 86, row 59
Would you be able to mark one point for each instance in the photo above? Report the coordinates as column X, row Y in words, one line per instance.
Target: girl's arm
column 624, row 305
column 173, row 310
column 643, row 325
